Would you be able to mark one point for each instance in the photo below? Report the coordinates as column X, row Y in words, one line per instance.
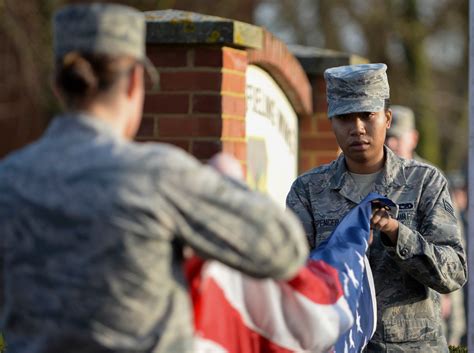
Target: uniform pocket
column 410, row 330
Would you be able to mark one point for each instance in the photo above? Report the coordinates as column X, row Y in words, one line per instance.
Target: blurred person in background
column 93, row 224
column 456, row 318
column 459, row 193
column 402, row 138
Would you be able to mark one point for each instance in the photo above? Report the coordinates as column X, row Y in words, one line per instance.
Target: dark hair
column 386, row 104
column 82, row 76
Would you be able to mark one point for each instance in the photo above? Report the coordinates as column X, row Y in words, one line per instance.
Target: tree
column 411, row 36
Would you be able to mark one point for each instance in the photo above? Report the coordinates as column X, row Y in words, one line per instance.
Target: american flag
column 328, row 306
column 345, row 250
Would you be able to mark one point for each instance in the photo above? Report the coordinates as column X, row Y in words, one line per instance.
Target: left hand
column 382, row 221
column 445, row 306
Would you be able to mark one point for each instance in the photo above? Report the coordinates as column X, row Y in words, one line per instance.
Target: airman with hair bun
column 93, row 224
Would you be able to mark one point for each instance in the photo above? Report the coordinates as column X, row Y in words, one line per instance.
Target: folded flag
column 328, row 306
column 345, row 251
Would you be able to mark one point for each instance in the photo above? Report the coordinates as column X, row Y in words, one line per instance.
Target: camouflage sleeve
column 224, row 221
column 435, row 255
column 297, row 201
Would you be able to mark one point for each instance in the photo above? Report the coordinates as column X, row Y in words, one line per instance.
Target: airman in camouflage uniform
column 92, row 224
column 402, row 138
column 413, row 258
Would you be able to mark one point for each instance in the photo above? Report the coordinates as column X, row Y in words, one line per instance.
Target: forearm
column 242, row 229
column 255, row 238
column 438, row 266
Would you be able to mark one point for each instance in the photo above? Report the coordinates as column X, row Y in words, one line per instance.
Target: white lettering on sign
column 272, row 136
column 261, row 103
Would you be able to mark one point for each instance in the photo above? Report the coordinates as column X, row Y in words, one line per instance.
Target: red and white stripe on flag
column 235, row 313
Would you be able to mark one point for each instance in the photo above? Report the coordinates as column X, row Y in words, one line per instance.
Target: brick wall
column 199, row 105
column 318, row 144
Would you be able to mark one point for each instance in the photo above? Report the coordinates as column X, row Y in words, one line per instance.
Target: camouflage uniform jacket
column 92, row 227
column 428, row 258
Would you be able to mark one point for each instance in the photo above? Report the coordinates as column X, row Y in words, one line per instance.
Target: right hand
column 382, row 221
column 227, row 164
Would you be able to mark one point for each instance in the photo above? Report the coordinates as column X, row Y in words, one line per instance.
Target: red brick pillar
column 200, row 102
column 317, row 141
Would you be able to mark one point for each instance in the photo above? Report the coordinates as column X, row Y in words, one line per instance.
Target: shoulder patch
column 448, row 207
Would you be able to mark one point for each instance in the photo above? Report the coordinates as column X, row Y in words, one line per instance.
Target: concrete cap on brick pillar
column 182, row 27
column 316, row 60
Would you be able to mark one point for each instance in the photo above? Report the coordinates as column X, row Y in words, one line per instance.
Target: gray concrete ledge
column 316, row 60
column 175, row 27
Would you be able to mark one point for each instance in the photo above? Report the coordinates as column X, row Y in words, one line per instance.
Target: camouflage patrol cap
column 356, row 88
column 109, row 29
column 99, row 28
column 403, row 120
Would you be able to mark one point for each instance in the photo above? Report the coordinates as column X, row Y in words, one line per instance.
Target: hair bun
column 77, row 75
column 81, row 77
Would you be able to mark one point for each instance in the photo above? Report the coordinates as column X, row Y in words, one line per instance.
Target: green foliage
column 457, row 349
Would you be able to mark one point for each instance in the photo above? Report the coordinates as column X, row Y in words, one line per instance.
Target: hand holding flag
column 329, row 303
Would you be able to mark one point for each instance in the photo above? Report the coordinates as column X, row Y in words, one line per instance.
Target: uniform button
column 403, row 252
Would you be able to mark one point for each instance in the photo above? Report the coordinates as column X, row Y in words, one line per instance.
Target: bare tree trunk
column 330, row 29
column 24, row 80
column 419, row 73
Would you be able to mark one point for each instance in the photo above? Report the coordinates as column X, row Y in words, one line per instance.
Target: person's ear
column 415, row 138
column 135, row 81
column 134, row 94
column 388, row 116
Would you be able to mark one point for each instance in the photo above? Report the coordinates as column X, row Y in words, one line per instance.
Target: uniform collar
column 72, row 122
column 393, row 173
column 394, row 169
